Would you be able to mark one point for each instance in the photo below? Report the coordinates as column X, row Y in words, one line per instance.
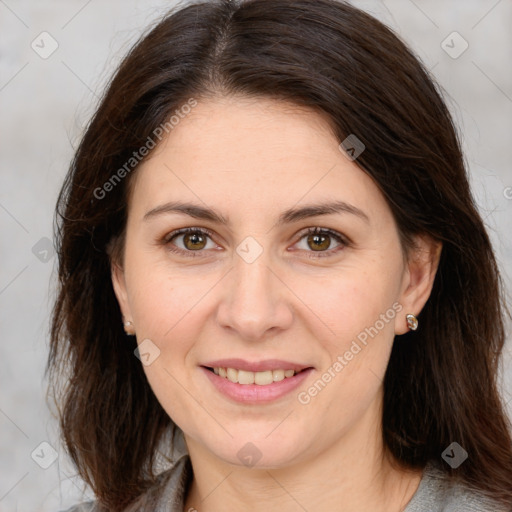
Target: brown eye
column 189, row 241
column 319, row 242
column 194, row 241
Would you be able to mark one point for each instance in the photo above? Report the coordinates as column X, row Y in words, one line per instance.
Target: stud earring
column 412, row 322
column 128, row 328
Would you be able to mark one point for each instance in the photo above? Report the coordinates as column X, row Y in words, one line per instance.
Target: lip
column 254, row 394
column 257, row 366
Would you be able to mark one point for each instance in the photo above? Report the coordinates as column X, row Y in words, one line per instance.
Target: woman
column 269, row 249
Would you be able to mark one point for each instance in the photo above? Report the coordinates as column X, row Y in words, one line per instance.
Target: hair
column 441, row 384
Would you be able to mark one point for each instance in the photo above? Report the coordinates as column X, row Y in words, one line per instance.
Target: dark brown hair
column 441, row 383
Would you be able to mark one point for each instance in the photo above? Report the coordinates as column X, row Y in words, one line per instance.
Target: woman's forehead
column 241, row 125
column 263, row 151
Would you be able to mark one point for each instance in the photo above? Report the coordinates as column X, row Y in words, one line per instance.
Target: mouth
column 255, row 383
column 245, row 377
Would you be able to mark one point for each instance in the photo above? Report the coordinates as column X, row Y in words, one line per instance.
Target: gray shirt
column 434, row 494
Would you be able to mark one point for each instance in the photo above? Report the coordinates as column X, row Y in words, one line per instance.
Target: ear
column 119, row 284
column 421, row 267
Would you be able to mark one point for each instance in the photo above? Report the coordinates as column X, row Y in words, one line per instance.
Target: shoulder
column 437, row 493
column 169, row 488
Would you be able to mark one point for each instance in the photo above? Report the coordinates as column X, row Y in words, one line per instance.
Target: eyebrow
column 288, row 216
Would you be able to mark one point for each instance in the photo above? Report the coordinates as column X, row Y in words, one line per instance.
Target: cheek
column 361, row 312
column 165, row 301
column 356, row 301
column 167, row 310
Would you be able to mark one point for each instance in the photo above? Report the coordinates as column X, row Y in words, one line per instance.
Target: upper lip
column 257, row 366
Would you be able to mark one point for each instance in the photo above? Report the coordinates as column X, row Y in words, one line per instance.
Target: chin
column 259, row 453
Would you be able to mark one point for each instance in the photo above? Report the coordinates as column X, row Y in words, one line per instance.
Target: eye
column 319, row 240
column 193, row 240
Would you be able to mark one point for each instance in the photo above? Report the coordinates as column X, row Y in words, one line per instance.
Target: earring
column 412, row 322
column 128, row 328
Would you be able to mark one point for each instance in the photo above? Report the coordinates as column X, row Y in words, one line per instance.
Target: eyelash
column 203, row 231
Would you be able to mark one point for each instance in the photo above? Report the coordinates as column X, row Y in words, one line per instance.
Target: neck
column 355, row 474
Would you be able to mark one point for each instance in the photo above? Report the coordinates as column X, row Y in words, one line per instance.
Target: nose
column 255, row 301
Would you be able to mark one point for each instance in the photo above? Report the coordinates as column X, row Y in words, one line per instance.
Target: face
column 267, row 281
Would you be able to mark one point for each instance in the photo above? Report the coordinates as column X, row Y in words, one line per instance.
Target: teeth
column 278, row 375
column 232, row 374
column 244, row 377
column 263, row 378
column 260, row 378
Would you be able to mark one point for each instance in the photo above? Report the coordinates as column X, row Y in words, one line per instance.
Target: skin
column 251, row 159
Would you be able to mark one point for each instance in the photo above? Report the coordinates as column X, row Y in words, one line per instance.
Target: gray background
column 45, row 102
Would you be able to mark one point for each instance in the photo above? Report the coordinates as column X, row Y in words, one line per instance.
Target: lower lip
column 254, row 393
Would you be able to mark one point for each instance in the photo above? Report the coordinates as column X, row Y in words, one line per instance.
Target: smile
column 255, row 383
column 247, row 377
